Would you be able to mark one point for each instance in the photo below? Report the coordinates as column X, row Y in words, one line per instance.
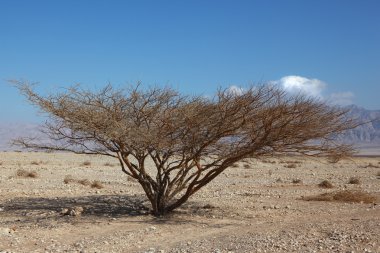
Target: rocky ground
column 257, row 206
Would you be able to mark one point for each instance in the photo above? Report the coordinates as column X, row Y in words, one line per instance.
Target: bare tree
column 189, row 140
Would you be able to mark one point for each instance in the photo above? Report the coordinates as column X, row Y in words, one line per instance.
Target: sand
column 255, row 207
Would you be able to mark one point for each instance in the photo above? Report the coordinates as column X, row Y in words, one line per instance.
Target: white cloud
column 235, row 90
column 342, row 98
column 299, row 84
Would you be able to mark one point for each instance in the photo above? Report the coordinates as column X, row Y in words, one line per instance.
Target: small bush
column 109, row 164
column 297, row 181
column 235, row 165
column 334, row 158
column 291, row 162
column 97, row 184
column 1, row 163
column 208, row 206
column 84, row 182
column 344, row 196
column 86, row 163
column 268, row 161
column 278, row 180
column 247, row 166
column 354, row 180
column 68, row 179
column 26, row 174
column 371, row 165
column 35, row 163
column 325, row 184
column 378, row 173
column 290, row 166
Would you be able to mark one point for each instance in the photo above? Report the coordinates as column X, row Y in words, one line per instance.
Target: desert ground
column 50, row 203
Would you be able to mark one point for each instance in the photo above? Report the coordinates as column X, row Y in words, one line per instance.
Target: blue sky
column 326, row 48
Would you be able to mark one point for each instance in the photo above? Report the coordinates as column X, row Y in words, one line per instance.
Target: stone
column 74, row 211
column 6, row 231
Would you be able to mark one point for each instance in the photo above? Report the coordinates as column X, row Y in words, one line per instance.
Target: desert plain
column 60, row 202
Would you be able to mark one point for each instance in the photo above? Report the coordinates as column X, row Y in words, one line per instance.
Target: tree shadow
column 46, row 212
column 94, row 205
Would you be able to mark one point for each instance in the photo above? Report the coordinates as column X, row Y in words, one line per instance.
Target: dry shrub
column 291, row 162
column 235, row 165
column 334, row 158
column 354, row 180
column 97, row 184
column 371, row 165
column 247, row 166
column 378, row 174
column 344, row 196
column 297, row 181
column 26, row 174
column 279, row 180
column 68, row 179
column 85, row 182
column 325, row 184
column 109, row 164
column 86, row 163
column 268, row 161
column 1, row 163
column 35, row 163
column 290, row 166
column 208, row 206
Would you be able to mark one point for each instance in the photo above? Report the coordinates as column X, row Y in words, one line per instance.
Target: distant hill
column 10, row 131
column 365, row 137
column 367, row 134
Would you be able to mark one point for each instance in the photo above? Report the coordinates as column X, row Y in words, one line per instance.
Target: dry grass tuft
column 208, row 206
column 354, row 180
column 279, row 180
column 325, row 184
column 35, row 163
column 291, row 162
column 235, row 165
column 247, row 166
column 84, row 182
column 378, row 174
column 290, row 166
column 86, row 163
column 268, row 161
column 1, row 163
column 334, row 158
column 68, row 179
column 109, row 164
column 97, row 184
column 26, row 174
column 297, row 181
column 344, row 196
column 371, row 165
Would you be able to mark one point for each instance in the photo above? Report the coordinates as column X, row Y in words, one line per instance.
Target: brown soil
column 246, row 209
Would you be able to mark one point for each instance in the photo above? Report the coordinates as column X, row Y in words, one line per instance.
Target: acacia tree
column 174, row 144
